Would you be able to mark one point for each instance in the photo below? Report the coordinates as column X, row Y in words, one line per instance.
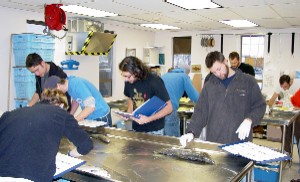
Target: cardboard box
column 197, row 81
column 274, row 133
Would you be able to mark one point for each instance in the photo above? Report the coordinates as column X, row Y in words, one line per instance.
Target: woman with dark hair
column 141, row 85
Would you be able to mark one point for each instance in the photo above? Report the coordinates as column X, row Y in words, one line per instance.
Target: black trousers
column 289, row 137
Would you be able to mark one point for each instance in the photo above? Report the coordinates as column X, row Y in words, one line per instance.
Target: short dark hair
column 233, row 55
column 212, row 57
column 285, row 78
column 134, row 66
column 33, row 59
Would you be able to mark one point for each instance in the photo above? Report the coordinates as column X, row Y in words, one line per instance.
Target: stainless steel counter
column 130, row 157
column 276, row 117
column 284, row 119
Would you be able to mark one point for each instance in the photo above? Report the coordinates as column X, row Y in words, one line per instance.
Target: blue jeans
column 172, row 124
column 106, row 118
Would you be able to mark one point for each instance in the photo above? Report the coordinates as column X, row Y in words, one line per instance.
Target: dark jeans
column 289, row 137
column 172, row 124
column 106, row 118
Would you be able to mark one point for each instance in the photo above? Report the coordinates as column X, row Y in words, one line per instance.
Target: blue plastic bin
column 21, row 103
column 266, row 173
column 24, row 90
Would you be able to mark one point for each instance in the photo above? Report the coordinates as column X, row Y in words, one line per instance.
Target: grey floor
column 288, row 173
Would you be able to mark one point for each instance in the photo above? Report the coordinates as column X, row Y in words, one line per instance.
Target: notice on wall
column 269, row 79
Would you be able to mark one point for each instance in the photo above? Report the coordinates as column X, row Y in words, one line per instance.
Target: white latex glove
column 74, row 153
column 186, row 138
column 244, row 129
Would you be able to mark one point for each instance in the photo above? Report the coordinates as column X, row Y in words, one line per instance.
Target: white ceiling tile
column 218, row 14
column 287, row 10
column 272, row 23
column 293, row 21
column 239, row 3
column 258, row 12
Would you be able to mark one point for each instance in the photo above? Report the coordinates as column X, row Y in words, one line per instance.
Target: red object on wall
column 55, row 17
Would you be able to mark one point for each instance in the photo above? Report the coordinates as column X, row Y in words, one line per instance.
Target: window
column 253, row 54
column 105, row 74
column 182, row 52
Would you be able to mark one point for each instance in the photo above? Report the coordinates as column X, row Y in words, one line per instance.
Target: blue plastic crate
column 24, row 90
column 21, row 103
column 21, row 54
column 28, row 37
column 266, row 173
column 47, row 54
column 34, row 45
column 23, row 75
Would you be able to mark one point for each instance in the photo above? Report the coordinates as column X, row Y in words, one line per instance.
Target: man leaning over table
column 284, row 92
column 177, row 82
column 141, row 85
column 230, row 104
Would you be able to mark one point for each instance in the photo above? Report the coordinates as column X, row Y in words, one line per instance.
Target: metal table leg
column 282, row 151
column 292, row 145
column 184, row 125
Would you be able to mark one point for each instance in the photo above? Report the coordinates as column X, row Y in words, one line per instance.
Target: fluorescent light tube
column 86, row 11
column 159, row 26
column 239, row 23
column 194, row 4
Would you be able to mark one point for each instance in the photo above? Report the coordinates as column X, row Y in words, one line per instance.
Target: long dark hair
column 134, row 66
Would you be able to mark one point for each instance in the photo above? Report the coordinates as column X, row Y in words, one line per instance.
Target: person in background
column 177, row 82
column 286, row 88
column 284, row 92
column 42, row 70
column 141, row 85
column 236, row 63
column 230, row 104
column 30, row 138
column 86, row 94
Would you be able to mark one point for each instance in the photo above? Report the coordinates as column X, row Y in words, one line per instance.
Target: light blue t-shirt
column 81, row 89
column 176, row 83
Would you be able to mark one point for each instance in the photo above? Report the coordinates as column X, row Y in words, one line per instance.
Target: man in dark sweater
column 42, row 70
column 30, row 138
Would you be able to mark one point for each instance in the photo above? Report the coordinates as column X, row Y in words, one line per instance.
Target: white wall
column 14, row 23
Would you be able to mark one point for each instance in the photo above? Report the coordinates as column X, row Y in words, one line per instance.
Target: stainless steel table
column 130, row 157
column 284, row 119
column 277, row 117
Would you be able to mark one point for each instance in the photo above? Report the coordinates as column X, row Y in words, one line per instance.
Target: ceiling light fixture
column 194, row 4
column 86, row 11
column 159, row 26
column 239, row 23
